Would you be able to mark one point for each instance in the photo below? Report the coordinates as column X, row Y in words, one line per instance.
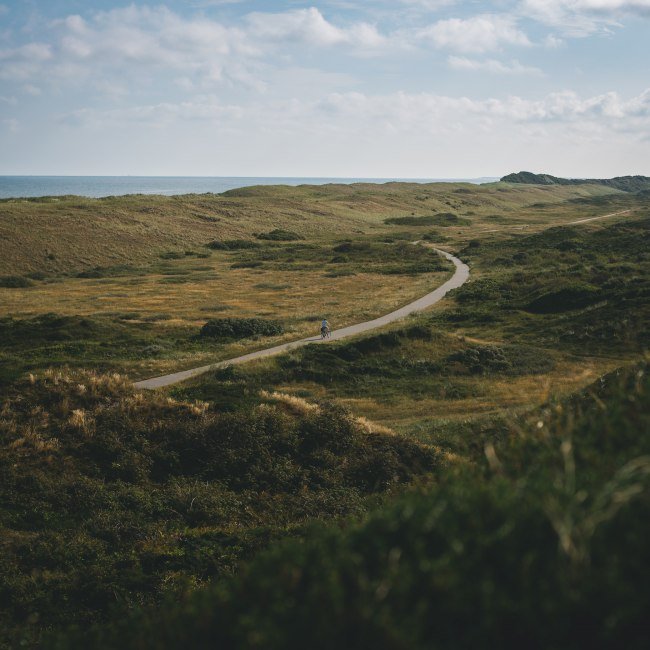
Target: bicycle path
column 461, row 275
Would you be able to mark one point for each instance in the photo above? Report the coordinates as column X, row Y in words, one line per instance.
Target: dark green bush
column 15, row 282
column 509, row 359
column 232, row 244
column 568, row 298
column 239, row 328
column 482, row 290
column 427, row 220
column 353, row 247
column 279, row 235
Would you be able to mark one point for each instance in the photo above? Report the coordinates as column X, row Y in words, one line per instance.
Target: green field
column 474, row 476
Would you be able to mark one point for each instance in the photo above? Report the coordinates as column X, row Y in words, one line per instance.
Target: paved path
column 604, row 216
column 567, row 223
column 460, row 276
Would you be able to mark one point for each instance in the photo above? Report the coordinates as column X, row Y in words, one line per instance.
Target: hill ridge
column 635, row 183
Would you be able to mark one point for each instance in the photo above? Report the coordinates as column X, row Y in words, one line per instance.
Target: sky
column 339, row 88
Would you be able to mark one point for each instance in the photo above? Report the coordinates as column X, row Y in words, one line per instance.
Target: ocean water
column 98, row 186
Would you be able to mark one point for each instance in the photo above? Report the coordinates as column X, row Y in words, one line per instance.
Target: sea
column 100, row 186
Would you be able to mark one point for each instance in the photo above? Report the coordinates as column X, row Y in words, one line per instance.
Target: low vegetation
column 112, row 498
column 443, row 219
column 240, row 328
column 546, row 540
column 378, row 491
column 279, row 234
column 232, row 244
column 15, row 282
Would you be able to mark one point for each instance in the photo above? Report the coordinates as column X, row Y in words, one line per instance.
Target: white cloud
column 582, row 17
column 492, row 66
column 397, row 112
column 553, row 42
column 429, row 4
column 483, row 33
column 24, row 61
column 32, row 90
column 12, row 125
column 134, row 41
column 310, row 26
column 155, row 115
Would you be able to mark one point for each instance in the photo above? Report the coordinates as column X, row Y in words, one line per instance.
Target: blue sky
column 406, row 88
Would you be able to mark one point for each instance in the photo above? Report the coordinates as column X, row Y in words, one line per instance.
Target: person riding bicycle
column 324, row 328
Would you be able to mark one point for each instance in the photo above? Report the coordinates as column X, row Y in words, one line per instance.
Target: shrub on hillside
column 426, row 220
column 15, row 282
column 568, row 298
column 232, row 244
column 482, row 290
column 239, row 328
column 510, row 359
column 280, row 235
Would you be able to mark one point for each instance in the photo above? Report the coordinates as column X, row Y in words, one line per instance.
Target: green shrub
column 353, row 247
column 510, row 359
column 15, row 282
column 232, row 244
column 575, row 296
column 427, row 220
column 482, row 290
column 440, row 219
column 239, row 328
column 280, row 235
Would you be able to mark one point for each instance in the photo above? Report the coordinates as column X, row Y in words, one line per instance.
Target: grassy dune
column 114, row 502
column 63, row 235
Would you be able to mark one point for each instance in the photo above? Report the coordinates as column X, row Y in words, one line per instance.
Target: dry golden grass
column 496, row 395
column 299, row 299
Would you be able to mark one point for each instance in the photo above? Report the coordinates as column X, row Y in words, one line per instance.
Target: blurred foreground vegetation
column 110, row 498
column 541, row 544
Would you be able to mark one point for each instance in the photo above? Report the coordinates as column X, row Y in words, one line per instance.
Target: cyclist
column 324, row 329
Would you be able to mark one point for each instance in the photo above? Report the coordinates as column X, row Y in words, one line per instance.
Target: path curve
column 566, row 223
column 459, row 278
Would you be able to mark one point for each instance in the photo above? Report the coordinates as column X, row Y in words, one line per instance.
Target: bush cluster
column 567, row 298
column 278, row 234
column 240, row 328
column 510, row 359
column 232, row 244
column 441, row 219
column 15, row 282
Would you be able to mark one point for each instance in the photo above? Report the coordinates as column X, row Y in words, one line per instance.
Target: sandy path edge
column 461, row 275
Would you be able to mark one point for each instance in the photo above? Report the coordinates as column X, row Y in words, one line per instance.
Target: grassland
column 143, row 269
column 116, row 501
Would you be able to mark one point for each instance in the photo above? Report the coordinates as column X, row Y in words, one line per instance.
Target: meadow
column 481, row 456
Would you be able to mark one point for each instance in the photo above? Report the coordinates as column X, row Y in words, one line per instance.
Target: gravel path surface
column 460, row 276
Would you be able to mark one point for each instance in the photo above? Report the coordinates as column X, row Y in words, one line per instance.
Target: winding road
column 461, row 275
